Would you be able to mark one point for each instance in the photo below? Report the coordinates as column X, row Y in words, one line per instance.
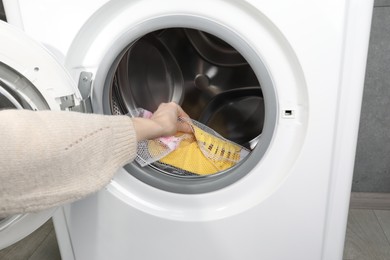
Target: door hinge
column 85, row 85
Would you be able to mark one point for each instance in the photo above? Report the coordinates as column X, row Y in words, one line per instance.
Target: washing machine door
column 30, row 78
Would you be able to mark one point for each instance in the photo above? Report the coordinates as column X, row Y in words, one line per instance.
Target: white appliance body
column 292, row 202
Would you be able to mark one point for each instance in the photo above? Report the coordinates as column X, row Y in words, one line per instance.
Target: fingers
column 171, row 107
column 182, row 124
column 176, row 112
column 181, row 112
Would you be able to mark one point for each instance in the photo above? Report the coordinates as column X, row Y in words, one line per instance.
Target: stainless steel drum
column 148, row 75
column 209, row 78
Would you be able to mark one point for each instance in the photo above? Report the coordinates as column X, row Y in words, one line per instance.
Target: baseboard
column 381, row 3
column 370, row 200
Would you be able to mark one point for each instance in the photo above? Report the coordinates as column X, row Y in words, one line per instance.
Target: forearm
column 49, row 158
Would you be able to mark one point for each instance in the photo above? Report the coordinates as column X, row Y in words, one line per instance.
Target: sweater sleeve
column 50, row 158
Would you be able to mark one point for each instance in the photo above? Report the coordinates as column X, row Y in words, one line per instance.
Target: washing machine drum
column 205, row 75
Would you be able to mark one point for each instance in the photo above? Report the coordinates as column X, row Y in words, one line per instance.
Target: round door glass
column 209, row 78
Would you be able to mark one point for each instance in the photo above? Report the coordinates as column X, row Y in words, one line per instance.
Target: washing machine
column 283, row 79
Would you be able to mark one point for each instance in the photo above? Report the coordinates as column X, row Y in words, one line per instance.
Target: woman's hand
column 166, row 117
column 164, row 122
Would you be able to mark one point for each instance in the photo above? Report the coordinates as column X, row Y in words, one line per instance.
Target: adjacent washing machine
column 27, row 76
column 283, row 79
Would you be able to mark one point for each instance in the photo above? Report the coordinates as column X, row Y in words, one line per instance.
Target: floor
column 367, row 238
column 368, row 235
column 40, row 245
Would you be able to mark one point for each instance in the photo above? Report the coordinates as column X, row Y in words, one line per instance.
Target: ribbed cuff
column 124, row 139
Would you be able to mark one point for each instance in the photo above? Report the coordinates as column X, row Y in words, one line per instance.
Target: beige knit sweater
column 49, row 158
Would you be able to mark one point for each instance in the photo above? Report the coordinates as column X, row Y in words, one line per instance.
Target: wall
column 2, row 15
column 372, row 166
